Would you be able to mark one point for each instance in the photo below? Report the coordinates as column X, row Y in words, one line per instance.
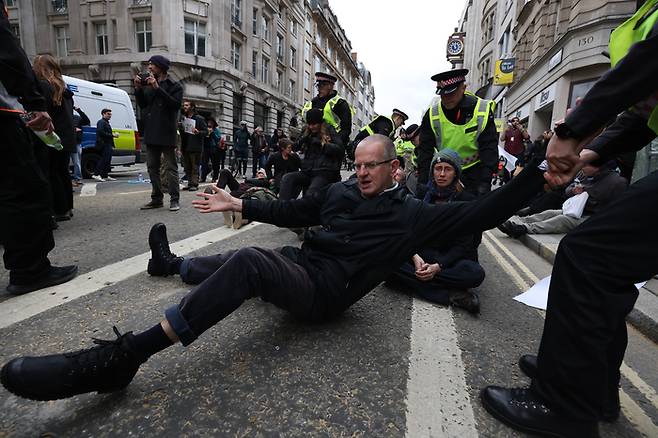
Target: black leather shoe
column 512, row 229
column 56, row 275
column 163, row 262
column 528, row 365
column 151, row 205
column 466, row 300
column 522, row 409
column 110, row 366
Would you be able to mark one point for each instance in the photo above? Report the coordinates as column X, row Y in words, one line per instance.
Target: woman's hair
column 47, row 68
column 213, row 121
column 284, row 143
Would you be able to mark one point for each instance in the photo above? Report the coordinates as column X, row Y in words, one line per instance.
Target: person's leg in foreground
column 226, row 281
column 576, row 376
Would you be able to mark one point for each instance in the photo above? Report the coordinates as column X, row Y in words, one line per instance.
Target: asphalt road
column 392, row 365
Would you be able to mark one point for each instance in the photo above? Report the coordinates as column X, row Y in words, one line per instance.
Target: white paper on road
column 537, row 295
column 189, row 125
column 511, row 159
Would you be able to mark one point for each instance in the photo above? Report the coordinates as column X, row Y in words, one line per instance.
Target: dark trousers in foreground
column 294, row 182
column 464, row 274
column 191, row 165
column 592, row 290
column 476, row 179
column 208, row 156
column 153, row 161
column 25, row 203
column 60, row 181
column 104, row 165
column 226, row 280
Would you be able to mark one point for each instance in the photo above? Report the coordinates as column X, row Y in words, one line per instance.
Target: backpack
column 259, row 194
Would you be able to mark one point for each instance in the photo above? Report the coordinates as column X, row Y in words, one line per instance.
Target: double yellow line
column 633, row 412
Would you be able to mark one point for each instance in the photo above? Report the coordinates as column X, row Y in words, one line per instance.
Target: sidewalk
column 645, row 314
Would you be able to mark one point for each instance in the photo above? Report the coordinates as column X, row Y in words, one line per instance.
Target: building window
column 101, row 38
column 265, row 70
column 309, row 24
column 235, row 54
column 265, row 31
column 10, row 3
column 307, row 81
column 307, row 51
column 254, row 63
column 236, row 13
column 279, row 81
column 279, row 47
column 293, row 57
column 143, row 35
column 195, row 38
column 330, row 53
column 318, row 39
column 317, row 63
column 292, row 89
column 16, row 30
column 254, row 22
column 484, row 72
column 63, row 40
column 293, row 27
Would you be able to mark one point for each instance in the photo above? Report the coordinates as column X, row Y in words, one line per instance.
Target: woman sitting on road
column 444, row 273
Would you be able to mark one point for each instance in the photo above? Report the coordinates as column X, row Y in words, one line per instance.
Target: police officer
column 405, row 147
column 575, row 376
column 337, row 112
column 383, row 125
column 461, row 121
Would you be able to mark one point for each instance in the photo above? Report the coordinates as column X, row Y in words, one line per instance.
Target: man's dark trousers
column 226, row 280
column 592, row 290
column 294, row 182
column 476, row 179
column 153, row 161
column 104, row 165
column 25, row 203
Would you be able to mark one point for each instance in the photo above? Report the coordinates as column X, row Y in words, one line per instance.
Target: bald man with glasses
column 369, row 227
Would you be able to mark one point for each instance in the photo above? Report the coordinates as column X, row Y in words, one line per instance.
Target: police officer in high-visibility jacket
column 383, row 125
column 461, row 121
column 337, row 112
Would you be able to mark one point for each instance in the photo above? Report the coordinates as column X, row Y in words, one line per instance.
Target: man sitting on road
column 369, row 228
column 602, row 184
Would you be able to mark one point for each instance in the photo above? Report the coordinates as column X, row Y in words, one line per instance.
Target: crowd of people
column 412, row 214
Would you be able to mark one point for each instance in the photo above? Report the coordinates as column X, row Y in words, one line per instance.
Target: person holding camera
column 514, row 137
column 160, row 98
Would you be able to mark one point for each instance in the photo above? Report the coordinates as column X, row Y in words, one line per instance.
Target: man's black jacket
column 363, row 240
column 160, row 109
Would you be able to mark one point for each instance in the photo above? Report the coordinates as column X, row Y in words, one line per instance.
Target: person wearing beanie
column 335, row 110
column 159, row 98
column 464, row 122
column 444, row 273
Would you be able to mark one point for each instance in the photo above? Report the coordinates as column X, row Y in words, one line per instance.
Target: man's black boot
column 163, row 262
column 522, row 409
column 110, row 366
column 55, row 275
column 528, row 365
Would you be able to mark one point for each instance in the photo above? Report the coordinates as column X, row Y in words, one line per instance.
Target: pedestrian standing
column 259, row 150
column 241, row 138
column 80, row 120
column 160, row 99
column 104, row 145
column 60, row 107
column 514, row 138
column 25, row 202
column 277, row 135
column 193, row 132
column 212, row 152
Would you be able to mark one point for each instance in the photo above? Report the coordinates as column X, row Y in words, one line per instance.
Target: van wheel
column 88, row 164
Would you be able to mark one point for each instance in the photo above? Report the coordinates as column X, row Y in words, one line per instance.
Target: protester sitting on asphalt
column 369, row 228
column 242, row 190
column 444, row 273
column 284, row 161
column 602, row 184
column 323, row 157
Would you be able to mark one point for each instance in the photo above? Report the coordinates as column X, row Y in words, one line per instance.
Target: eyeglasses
column 371, row 165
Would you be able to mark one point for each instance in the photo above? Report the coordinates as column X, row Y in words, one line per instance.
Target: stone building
column 249, row 60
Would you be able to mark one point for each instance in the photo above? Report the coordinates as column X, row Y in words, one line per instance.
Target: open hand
column 219, row 200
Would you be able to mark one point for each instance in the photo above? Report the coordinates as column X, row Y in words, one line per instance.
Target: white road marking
column 88, row 189
column 438, row 403
column 25, row 306
column 633, row 412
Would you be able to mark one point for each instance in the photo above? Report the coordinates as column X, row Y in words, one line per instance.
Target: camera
column 143, row 76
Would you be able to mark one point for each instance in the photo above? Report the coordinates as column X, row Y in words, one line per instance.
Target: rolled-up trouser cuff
column 184, row 269
column 179, row 325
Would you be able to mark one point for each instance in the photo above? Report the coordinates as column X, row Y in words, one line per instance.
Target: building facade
column 249, row 60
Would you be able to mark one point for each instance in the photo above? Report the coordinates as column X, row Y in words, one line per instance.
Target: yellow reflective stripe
column 482, row 112
column 368, row 129
column 126, row 140
column 435, row 122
